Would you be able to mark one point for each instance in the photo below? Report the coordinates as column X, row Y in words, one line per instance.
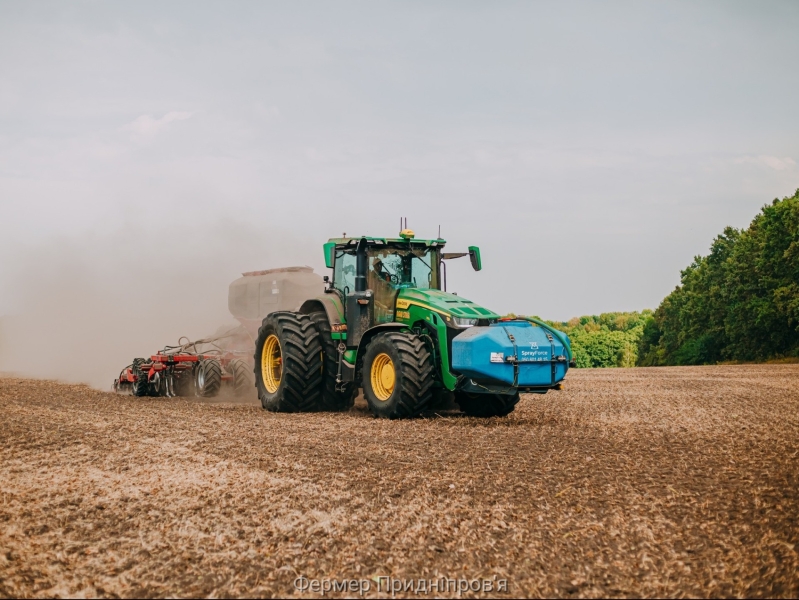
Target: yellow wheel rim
column 271, row 364
column 383, row 377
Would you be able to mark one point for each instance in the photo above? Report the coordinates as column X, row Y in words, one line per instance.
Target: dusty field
column 676, row 482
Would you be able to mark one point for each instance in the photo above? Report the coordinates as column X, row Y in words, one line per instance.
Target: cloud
column 778, row 164
column 146, row 127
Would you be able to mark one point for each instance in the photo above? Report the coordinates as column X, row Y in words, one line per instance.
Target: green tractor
column 386, row 324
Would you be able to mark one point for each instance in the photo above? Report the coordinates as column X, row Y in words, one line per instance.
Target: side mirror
column 474, row 258
column 330, row 254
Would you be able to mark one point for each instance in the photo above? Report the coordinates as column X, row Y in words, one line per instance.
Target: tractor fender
column 331, row 306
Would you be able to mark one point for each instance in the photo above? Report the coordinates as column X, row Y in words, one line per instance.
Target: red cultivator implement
column 208, row 366
column 202, row 368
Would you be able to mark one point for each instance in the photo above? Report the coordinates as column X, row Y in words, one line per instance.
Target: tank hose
column 566, row 346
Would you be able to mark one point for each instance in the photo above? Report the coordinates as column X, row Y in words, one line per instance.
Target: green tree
column 741, row 302
column 606, row 340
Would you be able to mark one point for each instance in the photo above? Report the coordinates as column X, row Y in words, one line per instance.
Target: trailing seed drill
column 222, row 362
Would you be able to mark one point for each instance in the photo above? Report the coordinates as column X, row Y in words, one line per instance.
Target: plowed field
column 654, row 482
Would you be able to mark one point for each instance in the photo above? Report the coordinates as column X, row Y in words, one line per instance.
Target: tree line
column 738, row 303
column 606, row 340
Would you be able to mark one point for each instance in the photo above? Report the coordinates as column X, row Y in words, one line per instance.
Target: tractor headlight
column 459, row 322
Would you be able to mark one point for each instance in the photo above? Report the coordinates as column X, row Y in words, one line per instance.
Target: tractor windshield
column 404, row 267
column 391, row 269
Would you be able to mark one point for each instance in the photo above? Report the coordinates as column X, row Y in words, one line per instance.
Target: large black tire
column 207, row 378
column 486, row 405
column 141, row 386
column 332, row 399
column 296, row 384
column 243, row 382
column 412, row 389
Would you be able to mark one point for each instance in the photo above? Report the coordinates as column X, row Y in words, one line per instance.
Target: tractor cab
column 387, row 267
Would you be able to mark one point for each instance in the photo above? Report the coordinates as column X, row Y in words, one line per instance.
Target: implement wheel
column 158, row 384
column 140, row 387
column 486, row 405
column 242, row 377
column 288, row 363
column 208, row 378
column 397, row 375
column 335, row 397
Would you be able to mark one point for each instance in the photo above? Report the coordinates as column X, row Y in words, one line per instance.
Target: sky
column 152, row 151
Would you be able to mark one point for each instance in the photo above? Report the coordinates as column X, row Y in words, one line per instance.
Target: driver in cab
column 384, row 283
column 380, row 271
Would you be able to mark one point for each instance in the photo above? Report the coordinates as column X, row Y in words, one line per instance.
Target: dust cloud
column 82, row 309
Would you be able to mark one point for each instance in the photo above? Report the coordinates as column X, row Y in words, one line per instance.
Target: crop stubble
column 670, row 481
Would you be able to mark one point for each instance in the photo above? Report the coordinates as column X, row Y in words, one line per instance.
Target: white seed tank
column 258, row 293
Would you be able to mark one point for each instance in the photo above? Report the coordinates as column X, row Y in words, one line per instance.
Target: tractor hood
column 443, row 302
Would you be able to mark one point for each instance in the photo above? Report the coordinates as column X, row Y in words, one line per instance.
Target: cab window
column 383, row 278
column 423, row 272
column 344, row 272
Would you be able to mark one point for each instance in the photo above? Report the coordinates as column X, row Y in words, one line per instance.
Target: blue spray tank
column 520, row 353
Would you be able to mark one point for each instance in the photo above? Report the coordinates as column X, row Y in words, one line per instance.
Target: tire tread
column 213, row 378
column 300, row 390
column 416, row 381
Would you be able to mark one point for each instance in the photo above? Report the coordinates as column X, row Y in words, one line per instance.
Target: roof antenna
column 439, row 232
